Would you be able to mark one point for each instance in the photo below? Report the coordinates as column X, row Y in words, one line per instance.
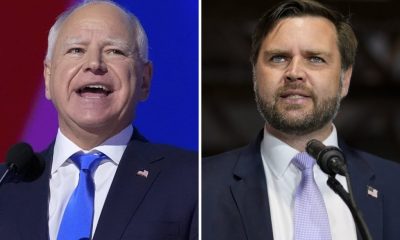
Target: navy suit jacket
column 235, row 197
column 161, row 206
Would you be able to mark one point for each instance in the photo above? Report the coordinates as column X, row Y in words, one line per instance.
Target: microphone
column 24, row 163
column 329, row 158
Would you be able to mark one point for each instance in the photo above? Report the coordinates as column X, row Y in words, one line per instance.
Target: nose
column 94, row 62
column 295, row 70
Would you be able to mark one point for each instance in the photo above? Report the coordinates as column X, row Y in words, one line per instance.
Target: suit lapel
column 250, row 193
column 122, row 201
column 362, row 177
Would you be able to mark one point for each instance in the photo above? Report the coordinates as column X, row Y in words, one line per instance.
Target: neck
column 87, row 139
column 299, row 142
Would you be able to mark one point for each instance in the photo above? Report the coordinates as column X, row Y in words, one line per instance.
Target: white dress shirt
column 283, row 179
column 65, row 175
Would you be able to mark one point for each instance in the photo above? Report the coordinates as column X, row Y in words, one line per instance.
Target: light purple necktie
column 310, row 216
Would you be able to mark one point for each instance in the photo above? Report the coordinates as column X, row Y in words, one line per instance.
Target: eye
column 278, row 59
column 75, row 50
column 116, row 52
column 315, row 59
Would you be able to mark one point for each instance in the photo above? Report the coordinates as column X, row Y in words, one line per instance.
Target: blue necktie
column 78, row 215
column 310, row 216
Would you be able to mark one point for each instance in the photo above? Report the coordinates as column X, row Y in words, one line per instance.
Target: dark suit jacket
column 161, row 206
column 235, row 197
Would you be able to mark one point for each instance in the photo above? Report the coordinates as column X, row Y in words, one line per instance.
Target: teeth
column 98, row 87
column 295, row 96
column 94, row 88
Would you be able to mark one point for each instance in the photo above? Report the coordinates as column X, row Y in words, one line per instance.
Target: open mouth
column 94, row 90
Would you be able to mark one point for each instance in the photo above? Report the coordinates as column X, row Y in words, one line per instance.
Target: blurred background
column 369, row 117
column 170, row 115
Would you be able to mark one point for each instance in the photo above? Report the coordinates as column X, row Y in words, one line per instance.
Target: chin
column 296, row 115
column 96, row 124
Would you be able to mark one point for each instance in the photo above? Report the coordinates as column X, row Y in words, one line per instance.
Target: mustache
column 294, row 86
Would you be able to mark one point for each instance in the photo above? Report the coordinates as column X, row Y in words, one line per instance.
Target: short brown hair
column 347, row 41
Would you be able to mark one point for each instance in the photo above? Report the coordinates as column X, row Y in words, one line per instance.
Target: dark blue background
column 170, row 115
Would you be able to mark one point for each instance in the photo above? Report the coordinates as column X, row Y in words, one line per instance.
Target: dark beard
column 323, row 112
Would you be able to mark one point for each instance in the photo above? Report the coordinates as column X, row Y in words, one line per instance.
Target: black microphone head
column 329, row 158
column 314, row 147
column 25, row 163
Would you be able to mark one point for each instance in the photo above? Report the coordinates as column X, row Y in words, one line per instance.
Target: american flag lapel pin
column 143, row 173
column 372, row 192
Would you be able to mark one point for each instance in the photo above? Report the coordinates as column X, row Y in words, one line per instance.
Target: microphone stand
column 4, row 176
column 331, row 161
column 348, row 198
column 10, row 168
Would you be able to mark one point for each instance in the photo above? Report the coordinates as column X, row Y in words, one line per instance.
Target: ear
column 346, row 81
column 46, row 74
column 146, row 81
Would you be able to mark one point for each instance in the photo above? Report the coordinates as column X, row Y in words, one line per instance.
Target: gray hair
column 140, row 34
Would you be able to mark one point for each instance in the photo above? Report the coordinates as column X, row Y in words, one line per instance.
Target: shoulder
column 222, row 161
column 380, row 166
column 173, row 150
column 218, row 171
column 178, row 161
column 229, row 159
column 364, row 159
column 160, row 149
column 384, row 172
column 175, row 162
column 178, row 155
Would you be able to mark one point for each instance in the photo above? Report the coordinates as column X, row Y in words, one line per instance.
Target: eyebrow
column 307, row 52
column 317, row 52
column 272, row 52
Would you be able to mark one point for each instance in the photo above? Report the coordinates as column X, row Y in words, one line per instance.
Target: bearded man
column 302, row 56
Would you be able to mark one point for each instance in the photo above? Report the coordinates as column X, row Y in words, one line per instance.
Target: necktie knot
column 303, row 161
column 87, row 161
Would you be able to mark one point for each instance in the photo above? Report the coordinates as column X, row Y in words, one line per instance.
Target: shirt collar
column 113, row 147
column 277, row 155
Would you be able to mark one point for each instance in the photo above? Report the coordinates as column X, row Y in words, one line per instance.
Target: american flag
column 143, row 173
column 372, row 192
